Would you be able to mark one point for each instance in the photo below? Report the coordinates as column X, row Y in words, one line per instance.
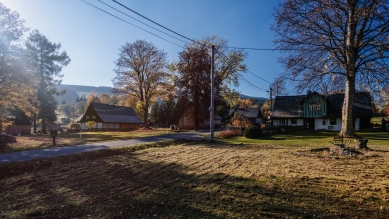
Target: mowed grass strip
column 43, row 141
column 179, row 179
column 311, row 139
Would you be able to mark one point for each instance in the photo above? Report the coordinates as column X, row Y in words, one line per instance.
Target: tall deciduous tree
column 46, row 61
column 193, row 71
column 337, row 40
column 17, row 86
column 140, row 71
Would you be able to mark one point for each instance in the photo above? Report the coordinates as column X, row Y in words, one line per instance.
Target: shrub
column 252, row 132
column 74, row 126
column 228, row 133
column 90, row 124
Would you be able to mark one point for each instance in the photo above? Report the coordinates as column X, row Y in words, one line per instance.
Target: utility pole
column 271, row 106
column 211, row 109
column 271, row 100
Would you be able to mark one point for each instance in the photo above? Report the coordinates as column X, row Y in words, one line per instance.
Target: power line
column 221, row 56
column 131, row 24
column 261, row 49
column 141, row 22
column 241, row 48
column 248, row 82
column 259, row 77
column 154, row 21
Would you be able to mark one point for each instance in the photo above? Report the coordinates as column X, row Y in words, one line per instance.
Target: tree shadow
column 122, row 185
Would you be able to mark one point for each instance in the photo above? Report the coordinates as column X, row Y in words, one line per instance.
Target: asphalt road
column 52, row 152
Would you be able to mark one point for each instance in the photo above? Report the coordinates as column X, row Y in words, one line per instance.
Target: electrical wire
column 131, row 24
column 241, row 48
column 154, row 21
column 259, row 49
column 221, row 56
column 141, row 21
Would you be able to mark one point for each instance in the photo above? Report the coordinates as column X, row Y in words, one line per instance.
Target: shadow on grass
column 122, row 185
column 119, row 184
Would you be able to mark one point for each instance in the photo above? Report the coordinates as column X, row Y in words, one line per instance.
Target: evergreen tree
column 46, row 61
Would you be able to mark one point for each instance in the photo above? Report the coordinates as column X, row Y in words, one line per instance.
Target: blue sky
column 92, row 38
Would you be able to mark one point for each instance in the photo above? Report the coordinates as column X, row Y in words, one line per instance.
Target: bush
column 228, row 133
column 252, row 132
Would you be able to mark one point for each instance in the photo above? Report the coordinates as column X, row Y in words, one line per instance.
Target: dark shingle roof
column 117, row 114
column 249, row 113
column 290, row 106
column 287, row 106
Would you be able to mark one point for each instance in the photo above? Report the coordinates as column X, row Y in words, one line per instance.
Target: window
column 324, row 122
column 332, row 121
column 281, row 122
column 87, row 117
column 293, row 121
column 93, row 117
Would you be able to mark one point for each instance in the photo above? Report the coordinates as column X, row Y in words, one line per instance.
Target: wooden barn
column 110, row 117
column 19, row 126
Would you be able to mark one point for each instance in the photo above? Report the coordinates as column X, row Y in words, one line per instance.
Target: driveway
column 52, row 152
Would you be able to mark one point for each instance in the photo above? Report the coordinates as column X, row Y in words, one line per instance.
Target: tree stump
column 361, row 143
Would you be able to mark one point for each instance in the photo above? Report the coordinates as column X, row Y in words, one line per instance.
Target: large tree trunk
column 146, row 117
column 34, row 122
column 347, row 110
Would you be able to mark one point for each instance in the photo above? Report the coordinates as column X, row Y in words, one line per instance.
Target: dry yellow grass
column 198, row 180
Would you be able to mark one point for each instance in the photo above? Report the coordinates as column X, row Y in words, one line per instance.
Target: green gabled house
column 318, row 112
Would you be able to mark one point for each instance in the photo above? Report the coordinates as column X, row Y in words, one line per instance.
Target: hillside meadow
column 234, row 178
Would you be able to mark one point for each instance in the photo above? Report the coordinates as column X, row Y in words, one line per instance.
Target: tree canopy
column 141, row 72
column 339, row 43
column 17, row 84
column 46, row 62
column 193, row 71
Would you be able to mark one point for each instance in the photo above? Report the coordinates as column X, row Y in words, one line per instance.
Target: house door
column 309, row 124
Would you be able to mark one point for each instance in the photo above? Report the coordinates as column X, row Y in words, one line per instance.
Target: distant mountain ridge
column 76, row 91
column 260, row 100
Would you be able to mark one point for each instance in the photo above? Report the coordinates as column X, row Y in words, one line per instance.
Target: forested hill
column 76, row 91
column 260, row 100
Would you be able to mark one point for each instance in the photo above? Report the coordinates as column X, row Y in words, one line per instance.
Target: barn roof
column 113, row 113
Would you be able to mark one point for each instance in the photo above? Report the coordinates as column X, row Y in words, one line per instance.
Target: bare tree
column 140, row 71
column 344, row 40
column 279, row 87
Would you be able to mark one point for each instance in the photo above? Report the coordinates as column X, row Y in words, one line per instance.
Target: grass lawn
column 311, row 139
column 32, row 142
column 234, row 178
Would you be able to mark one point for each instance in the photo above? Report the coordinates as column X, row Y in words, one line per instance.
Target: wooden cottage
column 110, row 117
column 19, row 126
column 252, row 114
column 317, row 112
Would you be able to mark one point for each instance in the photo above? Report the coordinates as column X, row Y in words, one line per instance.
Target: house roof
column 21, row 121
column 287, row 106
column 290, row 106
column 113, row 113
column 249, row 113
